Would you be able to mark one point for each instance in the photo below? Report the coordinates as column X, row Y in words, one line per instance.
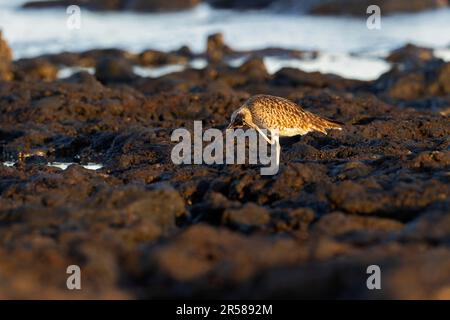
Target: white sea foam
column 66, row 72
column 154, row 72
column 65, row 165
column 444, row 54
column 348, row 66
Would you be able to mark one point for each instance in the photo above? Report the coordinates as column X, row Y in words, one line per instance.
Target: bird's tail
column 323, row 124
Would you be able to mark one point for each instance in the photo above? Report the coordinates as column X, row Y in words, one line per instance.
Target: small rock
column 216, row 49
column 160, row 206
column 35, row 69
column 250, row 215
column 410, row 55
column 255, row 70
column 432, row 227
column 36, row 160
column 336, row 223
column 159, row 58
column 114, row 70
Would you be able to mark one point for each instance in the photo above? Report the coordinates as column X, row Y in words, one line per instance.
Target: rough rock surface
column 359, row 7
column 377, row 192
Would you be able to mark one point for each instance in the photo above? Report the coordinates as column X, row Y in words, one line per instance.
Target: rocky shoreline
column 377, row 192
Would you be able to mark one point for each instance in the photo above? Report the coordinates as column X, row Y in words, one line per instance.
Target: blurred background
column 336, row 29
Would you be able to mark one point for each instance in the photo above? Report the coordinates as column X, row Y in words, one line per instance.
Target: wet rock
column 92, row 57
column 356, row 198
column 5, row 60
column 35, row 69
column 184, row 51
column 353, row 170
column 220, row 87
column 293, row 220
column 295, row 77
column 67, row 59
column 247, row 217
column 158, row 58
column 35, row 160
column 213, row 206
column 433, row 227
column 432, row 160
column 410, row 56
column 255, row 70
column 335, row 224
column 374, row 193
column 202, row 251
column 216, row 49
column 278, row 52
column 114, row 70
column 133, row 149
column 160, row 206
column 442, row 84
column 358, row 8
column 423, row 86
column 83, row 78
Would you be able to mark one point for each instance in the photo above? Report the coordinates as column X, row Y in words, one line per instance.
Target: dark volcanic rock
column 433, row 227
column 35, row 69
column 160, row 206
column 359, row 7
column 114, row 70
column 117, row 5
column 294, row 77
column 202, row 251
column 161, row 5
column 255, row 70
column 424, row 86
column 157, row 58
column 250, row 215
column 335, row 224
column 90, row 4
column 142, row 227
column 216, row 48
column 135, row 148
column 410, row 56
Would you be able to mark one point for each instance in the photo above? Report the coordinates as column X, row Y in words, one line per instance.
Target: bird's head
column 240, row 118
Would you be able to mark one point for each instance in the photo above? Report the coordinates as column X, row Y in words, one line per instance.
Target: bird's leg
column 276, row 139
column 269, row 141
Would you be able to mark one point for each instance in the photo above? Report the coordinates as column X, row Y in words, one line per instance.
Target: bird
column 280, row 117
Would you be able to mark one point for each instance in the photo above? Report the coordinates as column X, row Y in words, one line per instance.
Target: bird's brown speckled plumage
column 280, row 117
column 270, row 112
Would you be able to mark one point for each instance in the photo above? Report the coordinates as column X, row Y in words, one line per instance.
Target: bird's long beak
column 244, row 123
